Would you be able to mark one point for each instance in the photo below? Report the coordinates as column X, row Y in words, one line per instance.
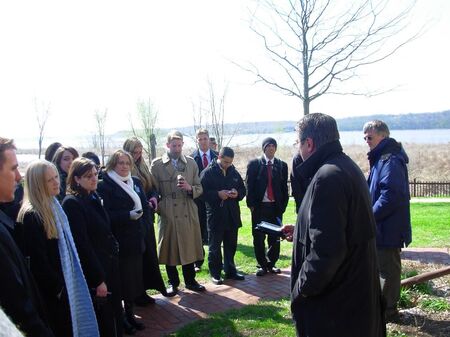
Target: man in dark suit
column 296, row 181
column 223, row 188
column 202, row 156
column 18, row 293
column 267, row 198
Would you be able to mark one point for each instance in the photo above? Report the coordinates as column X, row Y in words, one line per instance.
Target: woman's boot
column 129, row 315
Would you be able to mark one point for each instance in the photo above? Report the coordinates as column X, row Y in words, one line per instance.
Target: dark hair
column 78, row 168
column 51, row 149
column 92, row 156
column 226, row 152
column 321, row 128
column 59, row 154
column 5, row 144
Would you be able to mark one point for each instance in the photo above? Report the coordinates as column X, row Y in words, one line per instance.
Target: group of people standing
column 77, row 253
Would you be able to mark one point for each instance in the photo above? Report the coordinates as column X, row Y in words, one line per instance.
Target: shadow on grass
column 258, row 320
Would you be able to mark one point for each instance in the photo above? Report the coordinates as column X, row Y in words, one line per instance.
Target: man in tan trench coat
column 178, row 184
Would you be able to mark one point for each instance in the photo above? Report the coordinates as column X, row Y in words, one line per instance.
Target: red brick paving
column 170, row 314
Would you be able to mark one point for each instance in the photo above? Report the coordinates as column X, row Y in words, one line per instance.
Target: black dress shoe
column 275, row 270
column 237, row 277
column 128, row 328
column 144, row 300
column 138, row 325
column 195, row 287
column 217, row 280
column 261, row 271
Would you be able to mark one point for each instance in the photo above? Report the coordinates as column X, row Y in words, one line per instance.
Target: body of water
column 431, row 136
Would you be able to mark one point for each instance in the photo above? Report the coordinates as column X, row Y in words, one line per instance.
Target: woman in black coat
column 52, row 256
column 151, row 272
column 97, row 247
column 125, row 202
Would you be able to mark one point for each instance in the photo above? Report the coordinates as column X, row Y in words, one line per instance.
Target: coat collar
column 165, row 158
column 311, row 165
column 6, row 220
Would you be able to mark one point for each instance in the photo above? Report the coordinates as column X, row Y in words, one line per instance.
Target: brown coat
column 179, row 241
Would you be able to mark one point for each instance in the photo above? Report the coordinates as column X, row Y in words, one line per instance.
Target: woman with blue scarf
column 53, row 258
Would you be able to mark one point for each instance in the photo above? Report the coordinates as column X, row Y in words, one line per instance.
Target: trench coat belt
column 173, row 195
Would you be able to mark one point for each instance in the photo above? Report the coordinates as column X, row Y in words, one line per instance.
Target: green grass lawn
column 265, row 319
column 430, row 224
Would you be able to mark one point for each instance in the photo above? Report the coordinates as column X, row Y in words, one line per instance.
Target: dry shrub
column 427, row 162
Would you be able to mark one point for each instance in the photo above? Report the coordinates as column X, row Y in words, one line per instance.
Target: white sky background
column 81, row 56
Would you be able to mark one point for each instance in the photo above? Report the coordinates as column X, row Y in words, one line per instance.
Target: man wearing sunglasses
column 389, row 189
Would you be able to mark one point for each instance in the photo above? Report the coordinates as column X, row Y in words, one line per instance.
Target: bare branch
column 42, row 114
column 318, row 44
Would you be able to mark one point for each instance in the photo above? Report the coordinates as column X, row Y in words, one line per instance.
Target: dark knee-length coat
column 335, row 287
column 98, row 250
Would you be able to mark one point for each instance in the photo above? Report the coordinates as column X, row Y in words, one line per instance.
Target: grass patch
column 407, row 298
column 430, row 224
column 395, row 333
column 434, row 304
column 265, row 319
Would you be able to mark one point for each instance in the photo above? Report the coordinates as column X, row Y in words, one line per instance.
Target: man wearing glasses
column 389, row 189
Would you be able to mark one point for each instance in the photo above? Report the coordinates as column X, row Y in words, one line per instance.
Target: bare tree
column 100, row 138
column 42, row 111
column 210, row 114
column 147, row 116
column 317, row 45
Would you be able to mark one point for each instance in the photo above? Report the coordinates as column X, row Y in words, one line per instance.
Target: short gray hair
column 378, row 126
column 321, row 128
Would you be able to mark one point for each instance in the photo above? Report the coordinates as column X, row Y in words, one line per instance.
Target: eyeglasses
column 366, row 138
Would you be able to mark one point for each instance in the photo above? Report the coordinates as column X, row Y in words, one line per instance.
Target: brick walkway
column 170, row 314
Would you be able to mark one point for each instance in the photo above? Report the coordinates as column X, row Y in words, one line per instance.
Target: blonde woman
column 54, row 262
column 151, row 273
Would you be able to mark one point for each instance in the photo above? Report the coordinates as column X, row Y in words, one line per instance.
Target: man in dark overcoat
column 223, row 188
column 202, row 156
column 267, row 198
column 19, row 297
column 335, row 288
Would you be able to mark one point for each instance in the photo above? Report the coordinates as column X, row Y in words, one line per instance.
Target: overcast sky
column 80, row 56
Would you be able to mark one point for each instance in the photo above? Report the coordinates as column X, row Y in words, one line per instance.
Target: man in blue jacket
column 389, row 189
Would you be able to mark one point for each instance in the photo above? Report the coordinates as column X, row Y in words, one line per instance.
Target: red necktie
column 205, row 160
column 269, row 182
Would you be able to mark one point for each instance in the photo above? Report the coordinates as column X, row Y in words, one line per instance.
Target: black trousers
column 203, row 227
column 188, row 274
column 229, row 239
column 266, row 212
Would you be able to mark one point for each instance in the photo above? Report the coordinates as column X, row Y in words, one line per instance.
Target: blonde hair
column 37, row 196
column 140, row 168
